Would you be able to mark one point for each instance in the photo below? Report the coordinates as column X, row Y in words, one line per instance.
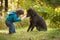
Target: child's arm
column 16, row 18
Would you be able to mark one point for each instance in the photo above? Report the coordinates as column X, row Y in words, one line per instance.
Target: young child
column 14, row 16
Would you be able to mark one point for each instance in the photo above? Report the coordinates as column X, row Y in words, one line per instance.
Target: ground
column 21, row 34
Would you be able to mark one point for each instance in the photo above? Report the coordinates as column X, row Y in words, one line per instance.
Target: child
column 14, row 17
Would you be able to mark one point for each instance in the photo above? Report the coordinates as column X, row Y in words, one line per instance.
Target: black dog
column 36, row 20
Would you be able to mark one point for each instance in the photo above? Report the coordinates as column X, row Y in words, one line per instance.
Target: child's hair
column 19, row 12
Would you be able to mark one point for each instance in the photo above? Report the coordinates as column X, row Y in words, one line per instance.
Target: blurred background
column 48, row 9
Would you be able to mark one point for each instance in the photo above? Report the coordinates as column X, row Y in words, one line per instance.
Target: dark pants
column 11, row 27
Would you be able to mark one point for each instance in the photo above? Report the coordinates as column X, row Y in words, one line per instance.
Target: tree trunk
column 1, row 6
column 6, row 5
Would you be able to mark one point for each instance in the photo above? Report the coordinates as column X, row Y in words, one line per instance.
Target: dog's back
column 38, row 20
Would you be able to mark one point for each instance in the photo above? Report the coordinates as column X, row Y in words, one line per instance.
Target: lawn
column 21, row 34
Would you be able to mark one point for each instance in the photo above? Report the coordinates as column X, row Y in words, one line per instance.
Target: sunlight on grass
column 22, row 34
column 3, row 31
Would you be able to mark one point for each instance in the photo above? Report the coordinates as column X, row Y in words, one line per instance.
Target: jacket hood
column 12, row 12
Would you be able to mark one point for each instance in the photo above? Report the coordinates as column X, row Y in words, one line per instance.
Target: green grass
column 21, row 34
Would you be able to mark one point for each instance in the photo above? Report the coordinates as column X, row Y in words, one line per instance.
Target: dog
column 35, row 21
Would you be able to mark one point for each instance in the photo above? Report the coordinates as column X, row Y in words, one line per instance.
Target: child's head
column 19, row 12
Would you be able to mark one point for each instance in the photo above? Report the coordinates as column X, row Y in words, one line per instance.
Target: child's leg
column 11, row 27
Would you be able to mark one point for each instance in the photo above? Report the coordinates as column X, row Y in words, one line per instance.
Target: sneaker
column 11, row 32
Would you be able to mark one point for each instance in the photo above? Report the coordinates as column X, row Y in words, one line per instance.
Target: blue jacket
column 12, row 17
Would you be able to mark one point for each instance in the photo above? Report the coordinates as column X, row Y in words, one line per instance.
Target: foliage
column 55, row 20
column 43, row 8
column 53, row 3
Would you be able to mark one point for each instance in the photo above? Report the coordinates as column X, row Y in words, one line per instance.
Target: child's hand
column 23, row 17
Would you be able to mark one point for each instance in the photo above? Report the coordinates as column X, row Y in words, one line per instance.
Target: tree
column 1, row 6
column 6, row 5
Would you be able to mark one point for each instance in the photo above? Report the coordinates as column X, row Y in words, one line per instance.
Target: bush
column 55, row 20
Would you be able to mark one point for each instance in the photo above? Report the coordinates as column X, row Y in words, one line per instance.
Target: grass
column 21, row 34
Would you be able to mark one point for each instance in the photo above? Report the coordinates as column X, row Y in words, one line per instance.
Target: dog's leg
column 29, row 28
column 32, row 28
column 44, row 28
column 38, row 27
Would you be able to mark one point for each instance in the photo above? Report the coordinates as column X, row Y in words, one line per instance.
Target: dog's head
column 31, row 12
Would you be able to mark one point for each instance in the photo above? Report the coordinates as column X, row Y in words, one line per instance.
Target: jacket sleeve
column 16, row 18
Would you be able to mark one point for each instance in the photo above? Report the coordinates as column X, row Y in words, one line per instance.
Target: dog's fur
column 36, row 20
